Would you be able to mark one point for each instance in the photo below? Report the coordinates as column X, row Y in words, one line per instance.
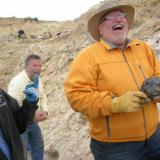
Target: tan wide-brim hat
column 93, row 22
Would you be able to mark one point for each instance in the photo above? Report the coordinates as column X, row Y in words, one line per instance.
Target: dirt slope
column 65, row 132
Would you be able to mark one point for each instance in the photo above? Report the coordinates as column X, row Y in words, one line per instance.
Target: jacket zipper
column 144, row 119
column 108, row 128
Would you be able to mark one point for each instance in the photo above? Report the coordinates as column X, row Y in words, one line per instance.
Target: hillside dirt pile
column 65, row 132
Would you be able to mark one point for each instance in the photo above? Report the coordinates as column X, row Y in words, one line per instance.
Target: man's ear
column 100, row 29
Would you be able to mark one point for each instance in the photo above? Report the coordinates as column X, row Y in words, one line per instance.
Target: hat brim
column 93, row 22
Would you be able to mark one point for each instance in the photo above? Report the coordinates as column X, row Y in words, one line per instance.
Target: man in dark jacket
column 14, row 120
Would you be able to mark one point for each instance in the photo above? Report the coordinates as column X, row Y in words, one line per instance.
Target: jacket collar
column 109, row 46
column 26, row 76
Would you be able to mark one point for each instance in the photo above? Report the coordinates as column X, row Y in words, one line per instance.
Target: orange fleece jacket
column 100, row 72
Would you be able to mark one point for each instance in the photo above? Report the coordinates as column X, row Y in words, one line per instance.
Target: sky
column 58, row 10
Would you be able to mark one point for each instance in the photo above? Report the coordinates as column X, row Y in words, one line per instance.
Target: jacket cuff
column 106, row 106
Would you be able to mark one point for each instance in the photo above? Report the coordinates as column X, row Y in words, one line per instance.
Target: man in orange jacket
column 104, row 83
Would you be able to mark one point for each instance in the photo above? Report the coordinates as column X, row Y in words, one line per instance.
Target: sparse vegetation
column 30, row 19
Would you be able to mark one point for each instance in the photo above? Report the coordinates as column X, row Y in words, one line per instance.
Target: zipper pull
column 142, row 72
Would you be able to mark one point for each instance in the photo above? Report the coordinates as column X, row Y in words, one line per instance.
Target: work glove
column 31, row 94
column 129, row 102
column 31, row 90
column 151, row 87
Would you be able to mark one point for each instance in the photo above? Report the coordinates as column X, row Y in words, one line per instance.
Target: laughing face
column 114, row 27
column 33, row 67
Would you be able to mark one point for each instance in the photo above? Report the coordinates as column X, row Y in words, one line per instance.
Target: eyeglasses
column 112, row 17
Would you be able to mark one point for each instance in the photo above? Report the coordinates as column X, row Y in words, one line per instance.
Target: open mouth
column 118, row 27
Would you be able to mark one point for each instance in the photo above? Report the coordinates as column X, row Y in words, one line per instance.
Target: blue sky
column 45, row 9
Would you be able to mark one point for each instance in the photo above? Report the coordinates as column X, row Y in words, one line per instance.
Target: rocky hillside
column 65, row 132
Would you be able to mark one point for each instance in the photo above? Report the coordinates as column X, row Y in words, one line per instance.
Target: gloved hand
column 31, row 94
column 31, row 90
column 129, row 102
